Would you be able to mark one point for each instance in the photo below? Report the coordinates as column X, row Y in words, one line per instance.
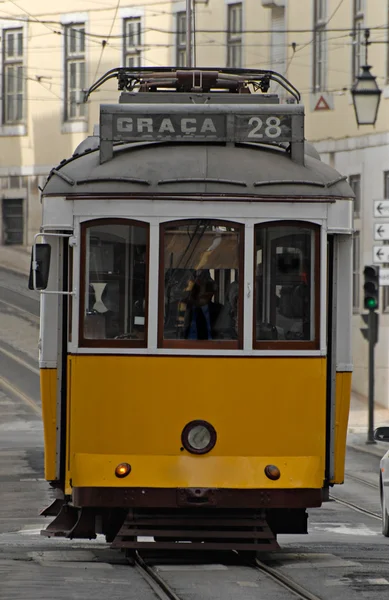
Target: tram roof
column 155, row 168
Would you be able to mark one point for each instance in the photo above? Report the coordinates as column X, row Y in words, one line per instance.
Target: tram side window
column 285, row 258
column 114, row 298
column 202, row 267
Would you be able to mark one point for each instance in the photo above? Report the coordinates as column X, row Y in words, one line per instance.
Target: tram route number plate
column 257, row 128
column 193, row 127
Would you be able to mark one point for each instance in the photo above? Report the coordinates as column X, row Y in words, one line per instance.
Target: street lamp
column 366, row 93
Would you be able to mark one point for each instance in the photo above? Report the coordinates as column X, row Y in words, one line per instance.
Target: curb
column 14, row 270
column 373, row 451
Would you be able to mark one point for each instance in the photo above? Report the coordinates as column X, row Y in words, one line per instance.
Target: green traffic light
column 371, row 303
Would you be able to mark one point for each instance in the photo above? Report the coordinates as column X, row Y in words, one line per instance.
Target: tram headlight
column 272, row 472
column 122, row 470
column 198, row 437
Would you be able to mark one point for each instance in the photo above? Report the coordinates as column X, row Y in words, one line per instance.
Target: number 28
column 272, row 129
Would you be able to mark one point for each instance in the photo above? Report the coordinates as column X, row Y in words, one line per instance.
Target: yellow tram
column 195, row 269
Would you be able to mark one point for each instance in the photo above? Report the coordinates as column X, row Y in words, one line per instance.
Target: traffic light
column 371, row 287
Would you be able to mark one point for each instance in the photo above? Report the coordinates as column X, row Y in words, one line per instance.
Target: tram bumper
column 128, row 497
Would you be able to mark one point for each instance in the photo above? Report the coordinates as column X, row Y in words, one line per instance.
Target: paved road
column 343, row 557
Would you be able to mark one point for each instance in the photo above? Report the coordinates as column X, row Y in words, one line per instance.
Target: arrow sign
column 381, row 208
column 381, row 231
column 380, row 254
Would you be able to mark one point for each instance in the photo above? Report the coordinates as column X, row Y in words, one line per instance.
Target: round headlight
column 198, row 437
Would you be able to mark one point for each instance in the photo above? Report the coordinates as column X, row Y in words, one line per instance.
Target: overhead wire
column 105, row 42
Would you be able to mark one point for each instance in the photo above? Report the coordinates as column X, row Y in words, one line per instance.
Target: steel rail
column 12, row 389
column 286, row 581
column 13, row 304
column 357, row 508
column 157, row 584
column 363, row 481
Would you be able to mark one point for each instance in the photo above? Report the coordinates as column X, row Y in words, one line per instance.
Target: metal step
column 198, row 529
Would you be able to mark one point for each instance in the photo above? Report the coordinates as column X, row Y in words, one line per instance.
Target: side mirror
column 41, row 267
column 381, row 434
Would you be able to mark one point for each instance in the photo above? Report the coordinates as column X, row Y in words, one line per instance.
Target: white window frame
column 385, row 288
column 355, row 182
column 20, row 128
column 132, row 53
column 234, row 37
column 320, row 50
column 357, row 272
column 15, row 65
column 180, row 60
column 358, row 24
column 74, row 57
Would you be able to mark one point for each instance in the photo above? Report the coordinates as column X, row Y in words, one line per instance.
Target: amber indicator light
column 272, row 472
column 122, row 470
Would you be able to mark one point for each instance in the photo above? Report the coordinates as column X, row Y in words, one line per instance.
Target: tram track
column 22, row 302
column 285, row 581
column 357, row 479
column 155, row 581
column 356, row 508
column 19, row 374
column 164, row 591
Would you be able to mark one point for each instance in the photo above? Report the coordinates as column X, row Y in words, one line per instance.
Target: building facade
column 50, row 54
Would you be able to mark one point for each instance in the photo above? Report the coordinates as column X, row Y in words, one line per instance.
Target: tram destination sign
column 235, row 121
column 195, row 127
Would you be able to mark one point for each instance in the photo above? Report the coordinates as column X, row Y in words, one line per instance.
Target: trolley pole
column 189, row 33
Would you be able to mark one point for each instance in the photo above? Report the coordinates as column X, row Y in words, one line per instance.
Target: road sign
column 380, row 254
column 381, row 231
column 381, row 208
column 384, row 276
column 322, row 101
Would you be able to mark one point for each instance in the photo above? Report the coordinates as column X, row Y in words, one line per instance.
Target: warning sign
column 322, row 104
column 322, row 101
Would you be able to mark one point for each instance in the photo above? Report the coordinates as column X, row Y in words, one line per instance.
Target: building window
column 13, row 221
column 181, row 39
column 355, row 184
column 356, row 270
column 234, row 36
column 132, row 41
column 278, row 41
column 75, row 76
column 286, row 293
column 358, row 37
column 320, row 46
column 385, row 293
column 13, row 76
column 114, row 283
column 201, row 291
column 387, row 48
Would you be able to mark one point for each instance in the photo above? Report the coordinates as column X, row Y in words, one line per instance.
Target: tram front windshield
column 201, row 281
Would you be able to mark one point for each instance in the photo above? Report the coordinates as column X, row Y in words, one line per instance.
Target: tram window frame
column 201, row 344
column 85, row 342
column 313, row 344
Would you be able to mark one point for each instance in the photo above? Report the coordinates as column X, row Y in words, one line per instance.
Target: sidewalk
column 358, row 425
column 17, row 259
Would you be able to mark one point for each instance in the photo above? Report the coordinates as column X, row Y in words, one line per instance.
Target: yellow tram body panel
column 133, row 409
column 48, row 383
column 343, row 396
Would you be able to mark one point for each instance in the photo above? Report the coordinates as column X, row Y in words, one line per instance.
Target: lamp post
column 365, row 93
